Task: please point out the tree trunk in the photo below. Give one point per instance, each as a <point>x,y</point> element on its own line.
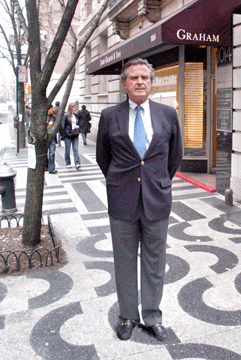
<point>35,179</point>
<point>34,200</point>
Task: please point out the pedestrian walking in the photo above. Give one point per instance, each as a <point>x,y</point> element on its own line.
<point>56,111</point>
<point>56,108</point>
<point>71,126</point>
<point>84,122</point>
<point>139,150</point>
<point>50,160</point>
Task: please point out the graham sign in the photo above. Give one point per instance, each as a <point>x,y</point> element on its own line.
<point>201,23</point>
<point>185,35</point>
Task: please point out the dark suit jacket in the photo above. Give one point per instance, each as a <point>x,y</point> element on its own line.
<point>124,170</point>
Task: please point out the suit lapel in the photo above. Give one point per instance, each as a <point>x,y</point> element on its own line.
<point>123,121</point>
<point>156,125</point>
<point>123,118</point>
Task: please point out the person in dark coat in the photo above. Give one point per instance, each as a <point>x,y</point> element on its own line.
<point>84,122</point>
<point>139,149</point>
<point>56,111</point>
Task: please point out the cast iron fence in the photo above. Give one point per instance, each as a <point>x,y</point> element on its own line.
<point>41,256</point>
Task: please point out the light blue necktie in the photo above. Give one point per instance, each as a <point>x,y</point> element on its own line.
<point>139,133</point>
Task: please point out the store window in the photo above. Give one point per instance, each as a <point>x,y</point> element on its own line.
<point>195,92</point>
<point>193,109</point>
<point>165,90</point>
<point>165,86</point>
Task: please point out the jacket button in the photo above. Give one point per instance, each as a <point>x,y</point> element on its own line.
<point>143,162</point>
<point>139,179</point>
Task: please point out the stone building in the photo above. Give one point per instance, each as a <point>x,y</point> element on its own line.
<point>195,48</point>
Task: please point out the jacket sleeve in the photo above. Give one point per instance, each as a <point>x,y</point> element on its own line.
<point>103,148</point>
<point>64,121</point>
<point>175,148</point>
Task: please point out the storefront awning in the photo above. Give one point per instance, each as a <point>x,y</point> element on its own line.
<point>205,22</point>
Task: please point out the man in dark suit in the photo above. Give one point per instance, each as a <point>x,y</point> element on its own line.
<point>139,150</point>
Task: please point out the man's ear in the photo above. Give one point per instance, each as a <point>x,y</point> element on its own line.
<point>124,87</point>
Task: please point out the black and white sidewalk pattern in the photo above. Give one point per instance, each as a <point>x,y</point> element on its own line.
<point>71,313</point>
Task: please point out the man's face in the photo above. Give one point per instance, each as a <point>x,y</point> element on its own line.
<point>138,83</point>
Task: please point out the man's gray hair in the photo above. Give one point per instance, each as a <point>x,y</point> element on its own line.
<point>137,61</point>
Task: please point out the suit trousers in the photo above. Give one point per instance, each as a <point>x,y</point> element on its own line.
<point>126,238</point>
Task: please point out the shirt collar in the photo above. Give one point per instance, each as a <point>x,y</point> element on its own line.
<point>145,105</point>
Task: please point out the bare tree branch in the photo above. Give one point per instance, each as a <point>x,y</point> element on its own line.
<point>34,41</point>
<point>21,18</point>
<point>5,6</point>
<point>70,81</point>
<point>57,43</point>
<point>18,30</point>
<point>71,31</point>
<point>17,33</point>
<point>9,50</point>
<point>4,56</point>
<point>82,43</point>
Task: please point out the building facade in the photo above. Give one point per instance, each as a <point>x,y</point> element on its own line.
<point>195,49</point>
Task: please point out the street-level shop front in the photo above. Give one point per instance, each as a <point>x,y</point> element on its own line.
<point>192,54</point>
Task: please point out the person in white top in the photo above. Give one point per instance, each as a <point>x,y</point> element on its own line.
<point>71,126</point>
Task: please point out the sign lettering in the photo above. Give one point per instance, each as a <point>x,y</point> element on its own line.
<point>184,35</point>
<point>21,73</point>
<point>224,55</point>
<point>109,58</point>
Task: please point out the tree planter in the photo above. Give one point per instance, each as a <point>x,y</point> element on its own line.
<point>45,254</point>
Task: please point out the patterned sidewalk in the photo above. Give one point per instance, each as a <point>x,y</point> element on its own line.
<point>71,313</point>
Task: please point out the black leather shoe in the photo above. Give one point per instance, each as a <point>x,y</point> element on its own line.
<point>157,331</point>
<point>125,328</point>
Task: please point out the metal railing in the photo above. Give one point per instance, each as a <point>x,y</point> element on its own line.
<point>41,255</point>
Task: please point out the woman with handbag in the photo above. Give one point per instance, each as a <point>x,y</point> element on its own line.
<point>71,127</point>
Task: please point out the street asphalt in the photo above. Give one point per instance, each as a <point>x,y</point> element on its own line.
<point>71,313</point>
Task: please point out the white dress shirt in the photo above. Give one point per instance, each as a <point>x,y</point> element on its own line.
<point>146,116</point>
